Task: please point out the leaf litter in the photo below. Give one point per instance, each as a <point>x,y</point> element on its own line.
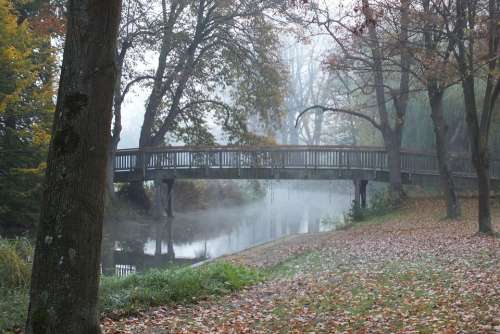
<point>414,273</point>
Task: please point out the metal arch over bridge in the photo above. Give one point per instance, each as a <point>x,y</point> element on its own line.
<point>283,162</point>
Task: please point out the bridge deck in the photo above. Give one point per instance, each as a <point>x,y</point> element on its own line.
<point>281,162</point>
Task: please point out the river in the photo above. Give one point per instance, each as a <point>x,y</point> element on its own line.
<point>289,207</point>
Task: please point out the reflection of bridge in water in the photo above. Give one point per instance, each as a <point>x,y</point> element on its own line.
<point>361,164</point>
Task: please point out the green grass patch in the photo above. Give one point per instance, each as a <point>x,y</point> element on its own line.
<point>141,291</point>
<point>163,287</point>
<point>13,308</point>
<point>374,219</point>
<point>306,261</point>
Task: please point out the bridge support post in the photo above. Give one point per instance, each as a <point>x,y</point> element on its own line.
<point>357,193</point>
<point>363,186</point>
<point>170,217</point>
<point>360,193</point>
<point>170,197</point>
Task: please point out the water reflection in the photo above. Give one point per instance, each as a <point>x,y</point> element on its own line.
<point>288,208</point>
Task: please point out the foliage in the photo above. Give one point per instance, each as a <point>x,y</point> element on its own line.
<point>203,194</point>
<point>15,263</point>
<point>13,308</point>
<point>163,287</point>
<point>258,87</point>
<point>15,272</point>
<point>380,204</point>
<point>27,67</point>
<point>141,291</point>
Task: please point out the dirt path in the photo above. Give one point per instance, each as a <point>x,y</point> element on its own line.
<point>412,274</point>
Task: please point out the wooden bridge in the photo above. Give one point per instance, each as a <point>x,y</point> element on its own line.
<point>282,162</point>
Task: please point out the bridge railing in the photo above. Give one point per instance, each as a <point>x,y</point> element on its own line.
<point>330,157</point>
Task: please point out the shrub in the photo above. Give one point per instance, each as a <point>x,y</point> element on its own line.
<point>15,272</point>
<point>380,204</point>
<point>15,263</point>
<point>13,308</point>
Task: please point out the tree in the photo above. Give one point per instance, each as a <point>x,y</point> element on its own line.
<point>65,278</point>
<point>207,49</point>
<point>475,31</point>
<point>199,41</point>
<point>432,53</point>
<point>136,33</point>
<point>27,67</point>
<point>374,47</point>
<point>308,86</point>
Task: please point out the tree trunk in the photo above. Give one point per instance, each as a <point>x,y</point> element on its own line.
<point>65,278</point>
<point>395,181</point>
<point>481,163</point>
<point>117,128</point>
<point>393,146</point>
<point>443,156</point>
<point>170,217</point>
<point>110,184</point>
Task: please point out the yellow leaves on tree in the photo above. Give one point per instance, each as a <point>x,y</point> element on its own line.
<point>15,53</point>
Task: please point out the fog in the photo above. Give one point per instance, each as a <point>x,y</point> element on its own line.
<point>287,208</point>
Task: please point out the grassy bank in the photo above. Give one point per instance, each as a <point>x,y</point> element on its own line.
<point>124,296</point>
<point>409,271</point>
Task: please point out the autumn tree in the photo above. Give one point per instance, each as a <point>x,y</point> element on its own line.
<point>435,72</point>
<point>27,67</point>
<point>474,28</point>
<point>137,33</point>
<point>309,85</point>
<point>200,41</point>
<point>65,278</point>
<point>209,52</point>
<point>372,43</point>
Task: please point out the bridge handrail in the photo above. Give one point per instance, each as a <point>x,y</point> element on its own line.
<point>289,156</point>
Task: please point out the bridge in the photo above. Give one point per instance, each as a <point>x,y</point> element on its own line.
<point>282,162</point>
<point>360,164</point>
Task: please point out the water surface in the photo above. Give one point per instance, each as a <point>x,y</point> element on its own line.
<point>289,207</point>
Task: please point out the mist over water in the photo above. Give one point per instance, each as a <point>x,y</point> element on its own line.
<point>289,207</point>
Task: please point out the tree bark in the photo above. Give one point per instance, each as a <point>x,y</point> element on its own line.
<point>395,179</point>
<point>483,178</point>
<point>392,134</point>
<point>443,156</point>
<point>436,86</point>
<point>170,217</point>
<point>478,124</point>
<point>117,127</point>
<point>65,278</point>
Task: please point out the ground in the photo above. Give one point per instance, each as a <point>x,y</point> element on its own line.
<point>407,272</point>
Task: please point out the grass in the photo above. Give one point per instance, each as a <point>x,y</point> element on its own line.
<point>163,287</point>
<point>13,308</point>
<point>386,290</point>
<point>141,291</point>
<point>15,272</point>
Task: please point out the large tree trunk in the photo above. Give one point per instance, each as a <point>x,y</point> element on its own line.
<point>65,279</point>
<point>443,156</point>
<point>117,128</point>
<point>395,179</point>
<point>110,185</point>
<point>484,198</point>
<point>392,143</point>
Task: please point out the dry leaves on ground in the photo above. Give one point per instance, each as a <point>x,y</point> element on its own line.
<point>412,274</point>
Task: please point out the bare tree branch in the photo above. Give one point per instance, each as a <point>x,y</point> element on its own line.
<point>339,110</point>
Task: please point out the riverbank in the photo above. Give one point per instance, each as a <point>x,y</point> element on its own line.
<point>406,272</point>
